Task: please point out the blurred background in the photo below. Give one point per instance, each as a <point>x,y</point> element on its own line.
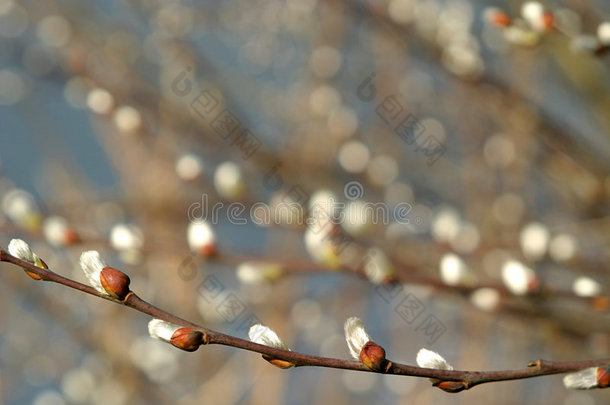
<point>445,165</point>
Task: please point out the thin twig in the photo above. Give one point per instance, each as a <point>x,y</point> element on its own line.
<point>468,378</point>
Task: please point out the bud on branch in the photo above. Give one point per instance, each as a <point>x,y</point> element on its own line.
<point>186,339</point>
<point>362,348</point>
<point>264,336</point>
<point>107,280</point>
<point>21,250</point>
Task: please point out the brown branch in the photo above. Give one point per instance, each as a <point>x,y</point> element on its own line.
<point>292,266</point>
<point>403,275</point>
<point>466,379</point>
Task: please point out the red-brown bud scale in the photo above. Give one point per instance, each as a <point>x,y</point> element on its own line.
<point>34,275</point>
<point>452,386</point>
<point>208,251</point>
<point>548,19</point>
<point>501,19</point>
<point>603,377</point>
<point>283,364</point>
<point>71,237</point>
<point>115,282</point>
<point>187,339</point>
<point>373,356</point>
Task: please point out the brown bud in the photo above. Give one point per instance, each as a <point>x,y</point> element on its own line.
<point>548,19</point>
<point>603,377</point>
<point>208,251</point>
<point>600,303</point>
<point>533,285</point>
<point>390,281</point>
<point>373,356</point>
<point>71,237</point>
<point>501,19</point>
<point>187,339</point>
<point>115,282</point>
<point>452,386</point>
<point>283,364</point>
<point>33,275</point>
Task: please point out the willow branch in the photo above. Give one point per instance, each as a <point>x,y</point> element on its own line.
<point>468,378</point>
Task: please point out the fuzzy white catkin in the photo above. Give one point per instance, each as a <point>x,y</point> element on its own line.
<point>533,12</point>
<point>445,225</point>
<point>534,240</point>
<point>126,237</point>
<point>321,247</point>
<point>467,238</point>
<point>127,119</point>
<point>603,33</point>
<point>92,265</point>
<point>199,235</point>
<point>162,330</point>
<point>264,336</point>
<point>378,268</point>
<point>486,299</point>
<point>453,269</point>
<point>581,380</point>
<point>258,272</point>
<point>229,182</point>
<point>354,157</point>
<point>55,229</point>
<point>21,250</point>
<point>517,277</point>
<point>562,247</point>
<point>54,30</point>
<point>20,207</point>
<point>100,101</point>
<point>189,167</point>
<point>355,335</point>
<point>521,36</point>
<point>358,218</point>
<point>324,206</point>
<point>586,287</point>
<point>429,359</point>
